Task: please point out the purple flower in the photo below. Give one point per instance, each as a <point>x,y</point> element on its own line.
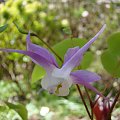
<point>58,80</point>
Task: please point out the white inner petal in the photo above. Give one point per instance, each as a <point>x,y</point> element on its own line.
<point>56,82</point>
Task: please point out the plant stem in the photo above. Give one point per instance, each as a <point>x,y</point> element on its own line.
<point>90,101</point>
<point>33,34</point>
<point>113,105</point>
<point>83,100</point>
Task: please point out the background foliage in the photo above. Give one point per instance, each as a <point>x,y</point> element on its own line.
<point>64,21</point>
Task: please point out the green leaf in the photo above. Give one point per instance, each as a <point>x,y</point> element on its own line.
<point>38,73</point>
<point>62,47</point>
<point>20,109</point>
<point>87,60</point>
<point>19,29</point>
<point>111,63</point>
<point>114,43</point>
<point>3,28</point>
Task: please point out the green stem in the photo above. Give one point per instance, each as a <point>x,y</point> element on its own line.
<point>33,34</point>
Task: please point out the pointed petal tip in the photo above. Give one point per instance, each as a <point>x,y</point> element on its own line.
<point>28,37</point>
<point>103,27</point>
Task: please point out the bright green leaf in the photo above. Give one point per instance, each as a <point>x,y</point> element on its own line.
<point>111,63</point>
<point>20,109</point>
<point>38,73</point>
<point>87,60</point>
<point>3,28</point>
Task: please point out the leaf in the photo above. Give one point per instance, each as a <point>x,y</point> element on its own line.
<point>3,28</point>
<point>38,73</point>
<point>87,60</point>
<point>111,63</point>
<point>20,109</point>
<point>60,49</point>
<point>114,43</point>
<point>19,29</point>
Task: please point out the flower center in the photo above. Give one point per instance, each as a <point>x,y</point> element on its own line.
<point>57,88</point>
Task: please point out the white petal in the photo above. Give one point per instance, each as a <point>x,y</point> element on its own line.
<point>64,90</point>
<point>48,82</point>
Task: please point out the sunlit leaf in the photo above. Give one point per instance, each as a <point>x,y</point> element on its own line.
<point>37,74</point>
<point>87,60</point>
<point>20,109</point>
<point>3,28</point>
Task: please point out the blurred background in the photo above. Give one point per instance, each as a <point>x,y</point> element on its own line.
<point>53,21</point>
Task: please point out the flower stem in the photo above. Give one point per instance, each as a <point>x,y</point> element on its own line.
<point>90,102</point>
<point>33,34</point>
<point>83,101</point>
<point>113,105</point>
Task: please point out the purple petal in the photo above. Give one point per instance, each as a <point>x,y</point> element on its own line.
<point>70,52</point>
<point>86,76</point>
<point>35,57</point>
<point>75,59</point>
<point>77,80</point>
<point>40,51</point>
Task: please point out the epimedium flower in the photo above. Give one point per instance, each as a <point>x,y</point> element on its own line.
<point>59,80</point>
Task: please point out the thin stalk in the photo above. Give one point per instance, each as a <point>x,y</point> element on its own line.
<point>113,105</point>
<point>33,34</point>
<point>90,101</point>
<point>83,100</point>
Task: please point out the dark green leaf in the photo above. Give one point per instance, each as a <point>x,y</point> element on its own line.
<point>3,28</point>
<point>111,63</point>
<point>114,43</point>
<point>62,47</point>
<point>20,109</point>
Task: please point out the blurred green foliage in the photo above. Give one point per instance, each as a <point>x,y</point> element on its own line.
<point>54,21</point>
<point>2,28</point>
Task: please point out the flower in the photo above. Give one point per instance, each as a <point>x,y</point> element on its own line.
<point>58,80</point>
